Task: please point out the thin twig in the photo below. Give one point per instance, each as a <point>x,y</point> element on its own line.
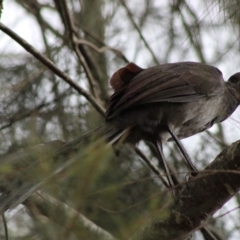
<point>20,115</point>
<point>5,226</point>
<point>196,43</point>
<point>115,50</point>
<point>102,49</point>
<point>73,36</point>
<point>46,201</point>
<point>1,7</point>
<point>50,65</point>
<point>139,32</point>
<point>150,164</point>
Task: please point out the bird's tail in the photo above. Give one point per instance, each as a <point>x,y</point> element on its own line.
<point>110,134</point>
<point>58,152</point>
<point>106,134</point>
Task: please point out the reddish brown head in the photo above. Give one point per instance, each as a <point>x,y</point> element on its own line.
<point>234,82</point>
<point>123,76</point>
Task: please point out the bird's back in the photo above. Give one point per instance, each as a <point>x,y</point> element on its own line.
<point>189,97</point>
<point>173,82</point>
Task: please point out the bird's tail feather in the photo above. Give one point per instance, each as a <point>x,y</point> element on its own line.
<point>21,189</point>
<point>113,137</point>
<point>109,133</point>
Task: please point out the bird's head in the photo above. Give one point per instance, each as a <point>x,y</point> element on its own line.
<point>234,82</point>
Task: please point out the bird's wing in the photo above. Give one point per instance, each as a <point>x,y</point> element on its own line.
<point>175,82</point>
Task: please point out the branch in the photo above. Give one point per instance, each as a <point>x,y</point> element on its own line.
<point>196,202</point>
<point>204,230</point>
<point>23,172</point>
<point>139,32</point>
<point>151,166</point>
<point>20,115</point>
<point>115,50</point>
<point>1,7</point>
<point>72,33</point>
<point>199,200</point>
<point>195,40</point>
<point>5,226</point>
<point>50,65</point>
<point>43,204</point>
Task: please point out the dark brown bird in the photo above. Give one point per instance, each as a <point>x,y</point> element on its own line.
<point>168,102</point>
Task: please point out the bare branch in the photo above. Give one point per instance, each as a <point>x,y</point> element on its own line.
<point>196,201</point>
<point>199,200</point>
<point>46,204</point>
<point>5,226</point>
<point>1,7</point>
<point>102,49</point>
<point>50,65</point>
<point>150,165</point>
<point>23,161</point>
<point>195,40</point>
<point>116,51</point>
<point>139,32</point>
<point>72,32</point>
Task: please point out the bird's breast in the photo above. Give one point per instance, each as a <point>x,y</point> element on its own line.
<point>192,118</point>
<point>150,120</point>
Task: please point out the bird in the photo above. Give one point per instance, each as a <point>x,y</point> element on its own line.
<point>168,102</point>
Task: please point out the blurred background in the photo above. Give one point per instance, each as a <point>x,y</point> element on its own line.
<point>89,40</point>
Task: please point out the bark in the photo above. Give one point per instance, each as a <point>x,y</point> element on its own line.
<point>199,199</point>
<point>193,206</point>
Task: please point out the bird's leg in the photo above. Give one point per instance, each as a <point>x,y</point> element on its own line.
<point>183,151</point>
<point>158,147</point>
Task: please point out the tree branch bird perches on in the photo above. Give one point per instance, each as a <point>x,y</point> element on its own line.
<point>168,102</point>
